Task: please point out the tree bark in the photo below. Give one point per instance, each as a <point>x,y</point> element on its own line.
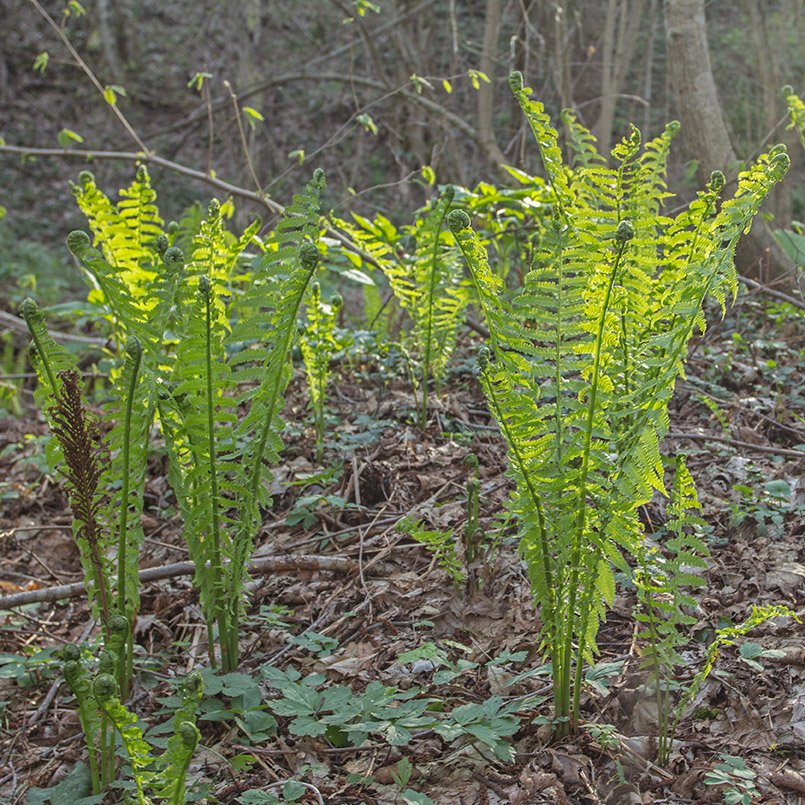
<point>705,132</point>
<point>486,91</point>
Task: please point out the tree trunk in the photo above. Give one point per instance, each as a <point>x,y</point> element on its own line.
<point>486,91</point>
<point>705,132</point>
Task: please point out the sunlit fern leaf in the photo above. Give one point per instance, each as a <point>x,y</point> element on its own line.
<point>127,315</point>
<point>581,141</point>
<point>440,294</point>
<point>127,231</point>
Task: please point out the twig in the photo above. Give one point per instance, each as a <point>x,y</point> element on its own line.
<point>265,84</point>
<point>783,297</point>
<point>85,67</point>
<point>18,326</point>
<point>243,142</point>
<point>759,448</point>
<point>265,564</point>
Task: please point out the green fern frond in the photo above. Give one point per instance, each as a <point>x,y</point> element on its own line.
<point>318,344</point>
<point>586,357</point>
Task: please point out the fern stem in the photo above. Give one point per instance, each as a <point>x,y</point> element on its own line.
<point>549,618</point>
<point>423,412</point>
<point>581,518</point>
<point>30,311</point>
<point>135,352</point>
<point>309,256</point>
<point>216,562</point>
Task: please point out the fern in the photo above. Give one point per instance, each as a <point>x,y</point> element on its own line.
<point>218,460</point>
<point>796,112</point>
<point>79,682</point>
<point>428,285</point>
<point>441,544</point>
<point>662,579</point>
<point>174,762</point>
<point>130,420</point>
<point>83,458</point>
<point>584,359</point>
<point>125,723</point>
<point>318,344</point>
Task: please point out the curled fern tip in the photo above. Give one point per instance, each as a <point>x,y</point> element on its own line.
<point>71,652</point>
<point>173,257</point>
<point>449,193</point>
<point>189,734</point>
<point>77,241</point>
<point>716,181</point>
<point>204,285</point>
<point>104,687</point>
<point>625,232</point>
<point>29,309</point>
<point>71,671</point>
<point>309,254</point>
<point>516,81</point>
<point>458,220</point>
<point>134,349</point>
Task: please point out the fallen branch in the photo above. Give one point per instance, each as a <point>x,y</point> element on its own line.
<point>773,292</point>
<point>16,324</point>
<point>759,448</point>
<point>263,564</point>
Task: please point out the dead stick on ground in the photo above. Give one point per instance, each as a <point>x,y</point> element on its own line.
<point>264,564</point>
<point>759,448</point>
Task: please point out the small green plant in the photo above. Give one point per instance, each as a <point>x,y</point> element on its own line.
<point>428,284</point>
<point>751,653</point>
<point>664,575</point>
<point>737,781</point>
<point>318,344</point>
<point>104,478</point>
<point>767,509</point>
<point>441,544</point>
<point>100,708</point>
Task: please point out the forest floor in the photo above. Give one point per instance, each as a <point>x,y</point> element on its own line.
<point>356,593</point>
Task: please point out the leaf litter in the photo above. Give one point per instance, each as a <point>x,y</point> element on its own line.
<point>396,619</point>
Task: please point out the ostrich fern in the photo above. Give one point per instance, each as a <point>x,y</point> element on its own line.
<point>582,363</point>
<point>209,358</point>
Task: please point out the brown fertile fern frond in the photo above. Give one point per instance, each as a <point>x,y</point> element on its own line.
<point>82,448</point>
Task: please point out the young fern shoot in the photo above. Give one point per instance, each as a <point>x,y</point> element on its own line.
<point>429,285</point>
<point>318,344</point>
<point>663,583</point>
